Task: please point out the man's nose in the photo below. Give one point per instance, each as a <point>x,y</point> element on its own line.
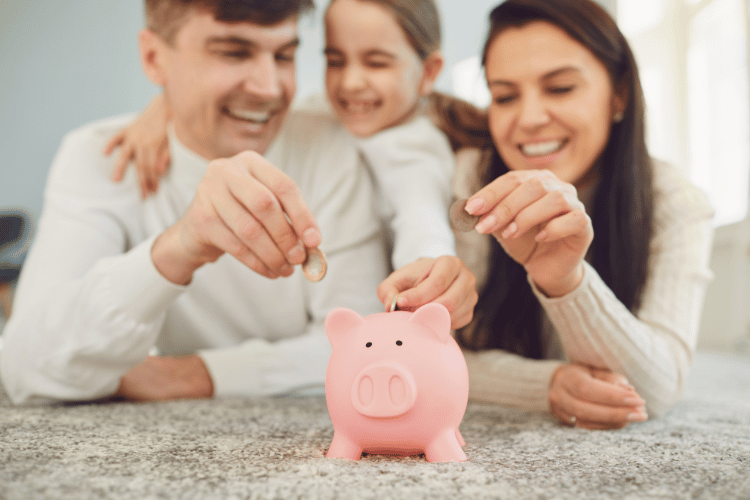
<point>533,112</point>
<point>263,80</point>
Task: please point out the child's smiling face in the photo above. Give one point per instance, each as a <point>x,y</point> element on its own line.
<point>374,77</point>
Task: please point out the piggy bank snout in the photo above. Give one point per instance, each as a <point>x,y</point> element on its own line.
<point>383,390</point>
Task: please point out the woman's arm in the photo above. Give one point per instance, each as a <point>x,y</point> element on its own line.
<point>653,348</point>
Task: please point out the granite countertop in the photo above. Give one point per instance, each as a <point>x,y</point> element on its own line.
<point>235,448</point>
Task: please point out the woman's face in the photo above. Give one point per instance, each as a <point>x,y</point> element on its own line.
<point>552,102</point>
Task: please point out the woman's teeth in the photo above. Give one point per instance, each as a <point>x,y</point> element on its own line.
<point>250,116</point>
<point>541,148</point>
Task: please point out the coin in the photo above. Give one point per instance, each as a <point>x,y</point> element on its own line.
<point>393,303</point>
<point>314,267</point>
<point>461,220</point>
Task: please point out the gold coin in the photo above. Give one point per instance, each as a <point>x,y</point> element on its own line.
<point>314,267</point>
<point>461,220</point>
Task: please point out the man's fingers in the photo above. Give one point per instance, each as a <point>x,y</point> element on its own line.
<point>288,195</point>
<point>251,234</point>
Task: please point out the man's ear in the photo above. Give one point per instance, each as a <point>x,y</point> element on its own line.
<point>153,51</point>
<point>432,66</point>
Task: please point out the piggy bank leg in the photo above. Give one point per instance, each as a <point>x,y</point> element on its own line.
<point>343,447</point>
<point>445,448</point>
<point>460,439</point>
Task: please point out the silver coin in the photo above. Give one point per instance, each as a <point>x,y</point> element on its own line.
<point>315,266</point>
<point>461,220</point>
<point>393,303</point>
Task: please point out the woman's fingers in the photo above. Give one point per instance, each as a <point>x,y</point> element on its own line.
<point>536,199</point>
<point>595,403</point>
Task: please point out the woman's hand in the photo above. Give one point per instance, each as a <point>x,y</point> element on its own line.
<point>591,398</point>
<point>540,222</point>
<point>145,142</point>
<point>445,280</point>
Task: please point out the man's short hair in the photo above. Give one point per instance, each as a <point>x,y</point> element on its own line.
<point>166,17</point>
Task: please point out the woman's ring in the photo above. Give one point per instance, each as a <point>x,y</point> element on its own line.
<point>573,421</point>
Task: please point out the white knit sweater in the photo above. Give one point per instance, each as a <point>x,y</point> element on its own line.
<point>653,348</point>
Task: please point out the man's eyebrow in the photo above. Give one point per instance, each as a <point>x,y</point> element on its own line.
<point>236,40</point>
<point>546,76</point>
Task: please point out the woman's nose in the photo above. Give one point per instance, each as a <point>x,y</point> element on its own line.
<point>533,112</point>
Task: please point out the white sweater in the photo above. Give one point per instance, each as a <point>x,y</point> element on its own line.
<point>90,304</point>
<point>652,349</point>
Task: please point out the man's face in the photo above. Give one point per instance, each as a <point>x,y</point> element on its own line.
<point>229,85</point>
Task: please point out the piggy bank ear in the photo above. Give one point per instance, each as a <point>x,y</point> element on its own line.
<point>340,322</point>
<point>436,318</point>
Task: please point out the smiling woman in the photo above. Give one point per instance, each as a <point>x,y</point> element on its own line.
<point>598,262</point>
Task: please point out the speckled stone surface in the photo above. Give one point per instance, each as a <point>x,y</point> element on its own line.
<point>273,448</point>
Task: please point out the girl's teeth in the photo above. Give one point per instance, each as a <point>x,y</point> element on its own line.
<point>541,148</point>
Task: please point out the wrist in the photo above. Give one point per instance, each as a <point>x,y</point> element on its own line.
<point>172,260</point>
<point>561,286</point>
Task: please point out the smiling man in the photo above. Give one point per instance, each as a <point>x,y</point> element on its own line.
<point>191,271</point>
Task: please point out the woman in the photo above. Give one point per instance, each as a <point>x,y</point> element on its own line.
<point>602,264</point>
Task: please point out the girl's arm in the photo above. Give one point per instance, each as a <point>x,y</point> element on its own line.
<point>145,143</point>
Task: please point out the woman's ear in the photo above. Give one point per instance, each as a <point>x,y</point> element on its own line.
<point>619,102</point>
<point>152,50</point>
<point>433,63</point>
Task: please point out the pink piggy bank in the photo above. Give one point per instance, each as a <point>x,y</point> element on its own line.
<point>396,384</point>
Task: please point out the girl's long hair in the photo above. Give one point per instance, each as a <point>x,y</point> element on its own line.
<point>508,315</point>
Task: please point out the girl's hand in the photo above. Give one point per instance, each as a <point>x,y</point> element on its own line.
<point>445,280</point>
<point>598,399</point>
<point>540,222</point>
<point>145,142</point>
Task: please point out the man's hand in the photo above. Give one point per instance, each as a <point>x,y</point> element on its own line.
<point>246,207</point>
<point>445,280</point>
<point>165,377</point>
<point>594,399</point>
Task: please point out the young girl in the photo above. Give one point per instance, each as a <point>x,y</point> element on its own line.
<point>383,57</point>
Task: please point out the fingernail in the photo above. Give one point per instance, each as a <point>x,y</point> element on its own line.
<point>311,237</point>
<point>297,254</point>
<point>510,230</point>
<point>402,302</point>
<point>486,224</point>
<point>475,205</point>
<point>541,236</point>
<point>286,270</point>
<point>632,401</point>
<point>640,416</point>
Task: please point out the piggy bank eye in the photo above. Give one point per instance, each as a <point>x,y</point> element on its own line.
<point>398,342</point>
<point>369,344</point>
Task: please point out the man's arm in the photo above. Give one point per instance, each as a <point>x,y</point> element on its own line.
<point>88,306</point>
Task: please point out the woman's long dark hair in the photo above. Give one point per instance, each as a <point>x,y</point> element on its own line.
<point>508,315</point>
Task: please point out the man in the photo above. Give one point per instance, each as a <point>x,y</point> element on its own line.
<point>192,270</point>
